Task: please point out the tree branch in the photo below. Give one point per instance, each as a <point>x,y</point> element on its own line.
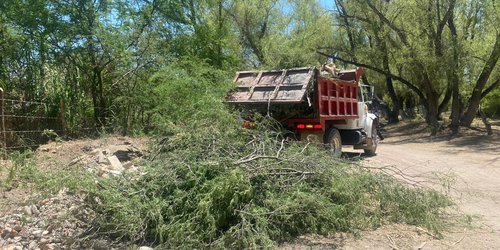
<point>391,25</point>
<point>494,85</point>
<point>381,71</point>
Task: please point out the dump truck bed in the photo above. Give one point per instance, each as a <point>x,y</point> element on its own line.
<point>299,94</point>
<point>276,86</point>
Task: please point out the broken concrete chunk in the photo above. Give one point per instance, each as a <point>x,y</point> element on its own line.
<point>95,151</point>
<point>100,157</point>
<point>115,163</point>
<point>76,160</point>
<point>114,172</point>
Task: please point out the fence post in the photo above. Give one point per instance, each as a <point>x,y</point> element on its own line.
<point>4,136</point>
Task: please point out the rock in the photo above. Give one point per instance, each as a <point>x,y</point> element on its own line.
<point>95,151</point>
<point>114,172</point>
<point>37,232</point>
<point>12,247</point>
<point>41,224</point>
<point>18,228</point>
<point>33,245</point>
<point>100,157</point>
<point>27,210</point>
<point>45,232</point>
<point>104,168</point>
<point>115,163</point>
<point>34,210</point>
<point>47,247</point>
<point>92,165</point>
<point>8,233</point>
<point>44,202</point>
<point>145,248</point>
<point>4,233</point>
<point>76,160</point>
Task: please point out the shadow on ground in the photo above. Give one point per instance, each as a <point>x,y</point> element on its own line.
<point>474,138</point>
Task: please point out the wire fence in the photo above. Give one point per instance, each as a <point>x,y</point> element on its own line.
<point>27,123</point>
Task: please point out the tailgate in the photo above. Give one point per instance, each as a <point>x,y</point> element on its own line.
<point>276,86</point>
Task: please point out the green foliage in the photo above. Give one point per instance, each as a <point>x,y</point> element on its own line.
<point>183,90</point>
<point>306,28</point>
<point>491,103</point>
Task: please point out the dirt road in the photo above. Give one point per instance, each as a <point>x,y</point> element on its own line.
<point>471,161</point>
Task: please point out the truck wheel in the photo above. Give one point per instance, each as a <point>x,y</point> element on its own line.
<point>374,142</point>
<point>333,142</point>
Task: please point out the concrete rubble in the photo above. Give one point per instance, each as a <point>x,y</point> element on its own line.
<point>63,221</point>
<point>113,160</point>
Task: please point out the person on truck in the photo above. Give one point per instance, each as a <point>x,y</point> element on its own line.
<point>331,68</point>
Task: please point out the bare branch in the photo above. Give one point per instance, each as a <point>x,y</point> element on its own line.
<point>399,31</point>
<point>253,158</point>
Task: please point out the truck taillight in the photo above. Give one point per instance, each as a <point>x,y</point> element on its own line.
<point>309,126</point>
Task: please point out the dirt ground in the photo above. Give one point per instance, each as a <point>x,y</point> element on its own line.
<point>466,166</point>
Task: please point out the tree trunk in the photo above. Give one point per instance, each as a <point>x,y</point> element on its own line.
<point>454,79</point>
<point>393,114</point>
<point>476,96</point>
<point>432,118</point>
<point>487,124</point>
<point>95,103</point>
<point>410,106</point>
<point>102,100</point>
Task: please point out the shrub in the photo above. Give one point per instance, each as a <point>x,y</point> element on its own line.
<point>491,103</point>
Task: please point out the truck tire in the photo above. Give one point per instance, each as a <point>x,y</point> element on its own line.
<point>333,142</point>
<point>374,142</point>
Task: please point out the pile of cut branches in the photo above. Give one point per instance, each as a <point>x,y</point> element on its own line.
<point>246,188</point>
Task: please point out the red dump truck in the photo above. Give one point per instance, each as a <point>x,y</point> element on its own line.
<point>312,104</point>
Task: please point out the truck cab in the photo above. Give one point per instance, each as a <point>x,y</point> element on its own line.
<point>312,104</point>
